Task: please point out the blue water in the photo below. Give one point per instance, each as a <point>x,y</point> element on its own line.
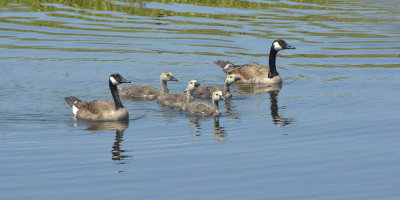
<point>330,131</point>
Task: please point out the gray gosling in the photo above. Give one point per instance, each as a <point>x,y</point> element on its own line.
<point>148,92</point>
<point>101,110</point>
<point>255,73</point>
<point>206,91</point>
<point>205,109</point>
<point>177,100</point>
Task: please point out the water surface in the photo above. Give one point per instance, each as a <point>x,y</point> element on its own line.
<point>329,132</point>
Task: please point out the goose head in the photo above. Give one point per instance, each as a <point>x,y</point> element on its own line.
<point>281,44</point>
<point>117,79</point>
<point>217,96</point>
<point>231,78</point>
<point>167,76</point>
<point>192,85</point>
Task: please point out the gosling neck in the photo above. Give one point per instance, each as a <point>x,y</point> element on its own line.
<point>226,87</point>
<point>272,66</point>
<point>164,87</point>
<point>115,95</point>
<point>216,106</point>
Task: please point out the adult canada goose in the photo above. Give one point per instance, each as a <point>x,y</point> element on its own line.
<point>101,110</point>
<point>148,92</point>
<point>177,100</point>
<point>206,91</point>
<point>255,72</point>
<point>203,108</point>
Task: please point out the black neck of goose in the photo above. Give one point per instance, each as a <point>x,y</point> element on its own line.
<point>115,95</point>
<point>272,66</point>
<point>164,87</point>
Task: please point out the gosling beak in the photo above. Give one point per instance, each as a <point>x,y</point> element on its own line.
<point>237,78</point>
<point>223,98</point>
<point>196,84</point>
<point>172,78</point>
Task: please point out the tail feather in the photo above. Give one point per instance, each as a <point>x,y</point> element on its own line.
<point>71,100</point>
<point>226,66</point>
<point>223,64</point>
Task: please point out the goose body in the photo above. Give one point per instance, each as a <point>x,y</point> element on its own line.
<point>101,110</point>
<point>206,91</point>
<point>146,91</point>
<point>255,73</point>
<point>203,108</point>
<point>178,100</point>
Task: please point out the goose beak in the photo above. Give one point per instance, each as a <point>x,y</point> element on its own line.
<point>125,81</point>
<point>288,46</point>
<point>173,78</point>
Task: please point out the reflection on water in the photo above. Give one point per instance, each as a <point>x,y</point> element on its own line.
<point>118,154</point>
<point>257,88</point>
<point>58,46</point>
<point>102,126</point>
<point>276,118</point>
<point>273,91</point>
<point>219,131</point>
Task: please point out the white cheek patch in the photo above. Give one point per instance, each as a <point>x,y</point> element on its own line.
<point>74,110</point>
<point>277,46</point>
<point>113,81</point>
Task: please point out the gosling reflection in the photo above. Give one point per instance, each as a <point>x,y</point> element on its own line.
<point>117,153</point>
<point>219,132</point>
<point>229,108</point>
<point>276,118</point>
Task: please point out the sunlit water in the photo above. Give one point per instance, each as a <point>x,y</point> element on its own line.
<point>330,132</point>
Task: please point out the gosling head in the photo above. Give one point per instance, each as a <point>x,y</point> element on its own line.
<point>117,79</point>
<point>217,96</point>
<point>231,78</point>
<point>167,76</point>
<point>281,44</point>
<point>192,85</point>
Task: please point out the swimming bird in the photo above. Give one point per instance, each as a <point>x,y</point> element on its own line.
<point>148,92</point>
<point>203,108</point>
<point>206,91</point>
<point>177,100</point>
<point>101,110</point>
<point>255,72</point>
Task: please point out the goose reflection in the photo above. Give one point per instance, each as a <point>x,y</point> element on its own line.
<point>273,91</point>
<point>117,153</point>
<point>276,118</point>
<point>257,88</point>
<point>219,132</point>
